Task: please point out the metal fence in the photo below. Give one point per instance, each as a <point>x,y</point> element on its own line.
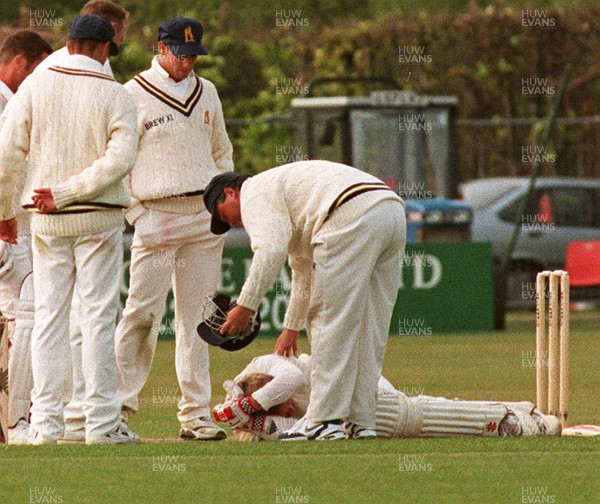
<point>507,147</point>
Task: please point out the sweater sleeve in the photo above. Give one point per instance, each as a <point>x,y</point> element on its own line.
<point>222,150</point>
<point>14,148</point>
<point>297,309</point>
<point>287,379</point>
<point>268,224</point>
<point>116,163</point>
<point>136,208</point>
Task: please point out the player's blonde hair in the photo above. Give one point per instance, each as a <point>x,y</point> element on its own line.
<point>112,12</point>
<point>254,382</point>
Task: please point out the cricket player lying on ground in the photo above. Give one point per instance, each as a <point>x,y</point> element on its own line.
<point>272,393</point>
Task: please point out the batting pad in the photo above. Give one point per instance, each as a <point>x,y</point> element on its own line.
<point>449,418</point>
<point>423,416</point>
<point>20,377</point>
<point>524,406</point>
<point>396,415</point>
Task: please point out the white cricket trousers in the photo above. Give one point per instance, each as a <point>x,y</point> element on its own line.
<point>95,262</point>
<point>73,413</point>
<point>356,278</point>
<point>178,251</point>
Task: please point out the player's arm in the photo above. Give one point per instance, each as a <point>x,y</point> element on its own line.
<point>269,227</point>
<point>14,148</point>
<point>299,302</point>
<point>114,165</point>
<point>295,315</point>
<point>136,208</point>
<point>221,147</point>
<point>287,380</point>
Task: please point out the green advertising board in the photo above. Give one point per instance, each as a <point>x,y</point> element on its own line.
<point>446,287</point>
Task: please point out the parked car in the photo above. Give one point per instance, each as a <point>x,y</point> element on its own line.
<point>561,210</point>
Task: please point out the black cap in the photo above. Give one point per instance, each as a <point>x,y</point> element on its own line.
<point>183,36</point>
<point>212,193</point>
<point>93,27</point>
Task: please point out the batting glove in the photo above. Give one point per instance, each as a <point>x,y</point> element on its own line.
<point>234,413</point>
<point>261,425</point>
<point>234,391</point>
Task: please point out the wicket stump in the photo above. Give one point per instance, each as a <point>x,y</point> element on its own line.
<point>552,349</point>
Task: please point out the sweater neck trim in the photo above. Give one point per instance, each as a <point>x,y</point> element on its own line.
<point>78,72</point>
<point>186,108</point>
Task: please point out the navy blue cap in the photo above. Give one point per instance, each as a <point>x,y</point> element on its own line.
<point>212,193</point>
<point>183,36</point>
<point>209,329</point>
<point>93,27</point>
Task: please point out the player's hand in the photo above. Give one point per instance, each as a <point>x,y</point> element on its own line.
<point>287,343</point>
<point>44,200</point>
<point>238,319</point>
<point>230,414</point>
<point>261,425</point>
<point>236,412</point>
<point>234,391</point>
<point>8,231</point>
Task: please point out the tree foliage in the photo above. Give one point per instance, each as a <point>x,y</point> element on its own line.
<point>482,54</point>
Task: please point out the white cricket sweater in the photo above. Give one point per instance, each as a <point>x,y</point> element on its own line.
<point>291,380</point>
<point>182,141</point>
<point>57,58</point>
<point>61,56</point>
<point>22,217</point>
<point>282,210</point>
<point>78,127</point>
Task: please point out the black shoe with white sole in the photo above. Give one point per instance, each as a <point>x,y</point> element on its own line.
<point>320,431</point>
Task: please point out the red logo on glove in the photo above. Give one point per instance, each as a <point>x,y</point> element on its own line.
<point>492,426</point>
<point>222,415</point>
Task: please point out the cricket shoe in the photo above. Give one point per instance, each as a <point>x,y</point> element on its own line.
<point>355,431</point>
<point>73,436</point>
<point>319,431</point>
<point>18,435</point>
<point>201,429</point>
<point>548,425</point>
<point>124,428</point>
<point>117,436</point>
<point>38,438</point>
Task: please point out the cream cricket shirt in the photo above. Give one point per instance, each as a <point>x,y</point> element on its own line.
<point>282,210</point>
<point>182,141</point>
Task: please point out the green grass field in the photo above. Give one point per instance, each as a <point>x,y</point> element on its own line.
<point>471,470</point>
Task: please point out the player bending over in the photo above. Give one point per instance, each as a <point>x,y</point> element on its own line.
<point>269,396</point>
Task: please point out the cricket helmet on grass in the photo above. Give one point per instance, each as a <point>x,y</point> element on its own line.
<point>214,314</point>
